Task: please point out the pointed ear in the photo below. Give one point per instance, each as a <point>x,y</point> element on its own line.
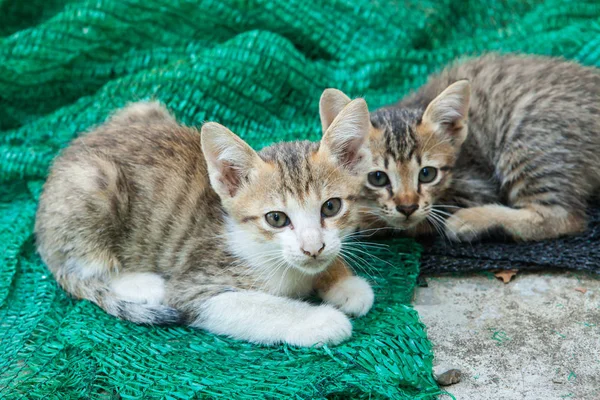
<point>345,139</point>
<point>228,158</point>
<point>449,112</point>
<point>331,104</point>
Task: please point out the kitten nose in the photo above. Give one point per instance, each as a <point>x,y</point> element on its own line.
<point>313,252</point>
<point>407,209</point>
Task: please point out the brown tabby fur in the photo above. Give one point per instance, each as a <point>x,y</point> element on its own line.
<point>527,167</point>
<point>134,197</point>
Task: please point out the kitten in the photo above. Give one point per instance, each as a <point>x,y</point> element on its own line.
<point>157,223</point>
<point>500,142</point>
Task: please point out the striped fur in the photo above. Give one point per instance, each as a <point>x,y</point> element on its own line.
<point>158,224</point>
<point>528,166</point>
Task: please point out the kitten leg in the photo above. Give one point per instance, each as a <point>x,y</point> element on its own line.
<point>533,222</point>
<point>266,319</point>
<point>339,287</point>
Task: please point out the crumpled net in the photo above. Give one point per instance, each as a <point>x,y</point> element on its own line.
<point>258,67</point>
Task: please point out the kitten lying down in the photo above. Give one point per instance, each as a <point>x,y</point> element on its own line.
<point>158,224</point>
<point>499,142</point>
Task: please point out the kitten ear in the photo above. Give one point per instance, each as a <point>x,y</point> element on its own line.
<point>449,112</point>
<point>345,138</point>
<point>331,104</point>
<point>228,158</point>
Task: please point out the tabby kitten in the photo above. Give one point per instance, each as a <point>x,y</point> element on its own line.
<point>500,142</point>
<point>157,224</point>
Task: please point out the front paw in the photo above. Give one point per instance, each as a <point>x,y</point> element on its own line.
<point>324,325</point>
<point>353,295</point>
<point>465,226</point>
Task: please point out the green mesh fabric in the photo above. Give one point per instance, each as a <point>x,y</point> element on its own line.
<point>259,67</point>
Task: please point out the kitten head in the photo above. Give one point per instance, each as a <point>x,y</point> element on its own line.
<point>413,153</point>
<point>291,204</point>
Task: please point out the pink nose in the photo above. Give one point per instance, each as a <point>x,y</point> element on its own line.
<point>313,252</point>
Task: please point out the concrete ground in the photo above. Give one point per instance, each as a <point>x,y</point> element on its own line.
<point>537,337</point>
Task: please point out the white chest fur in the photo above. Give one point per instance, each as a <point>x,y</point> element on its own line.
<point>289,282</point>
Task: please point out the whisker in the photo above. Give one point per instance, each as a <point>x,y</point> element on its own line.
<point>356,240</point>
<point>373,256</point>
<point>440,212</point>
<point>437,224</point>
<point>361,263</point>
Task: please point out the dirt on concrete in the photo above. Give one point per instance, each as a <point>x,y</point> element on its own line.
<point>536,337</point>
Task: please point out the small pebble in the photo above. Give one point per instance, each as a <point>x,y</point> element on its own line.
<point>449,377</point>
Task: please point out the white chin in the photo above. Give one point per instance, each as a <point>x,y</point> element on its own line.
<point>313,268</point>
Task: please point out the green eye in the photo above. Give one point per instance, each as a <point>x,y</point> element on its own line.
<point>331,207</point>
<point>427,175</point>
<point>277,219</point>
<point>378,178</point>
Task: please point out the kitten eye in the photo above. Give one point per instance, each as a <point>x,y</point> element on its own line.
<point>427,174</point>
<point>277,219</point>
<point>331,207</point>
<point>378,178</point>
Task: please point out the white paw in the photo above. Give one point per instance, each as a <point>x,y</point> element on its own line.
<point>142,287</point>
<point>323,325</point>
<point>352,295</point>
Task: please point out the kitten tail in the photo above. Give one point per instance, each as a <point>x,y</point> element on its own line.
<point>112,297</point>
<point>145,314</point>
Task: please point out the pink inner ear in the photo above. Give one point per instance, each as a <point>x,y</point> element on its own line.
<point>346,155</point>
<point>350,156</point>
<point>454,127</point>
<point>230,178</point>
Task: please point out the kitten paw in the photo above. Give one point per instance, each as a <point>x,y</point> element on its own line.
<point>465,226</point>
<point>352,295</point>
<point>324,325</point>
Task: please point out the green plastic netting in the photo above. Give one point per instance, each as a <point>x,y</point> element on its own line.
<point>259,67</point>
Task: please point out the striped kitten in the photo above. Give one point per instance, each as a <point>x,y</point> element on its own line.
<point>500,142</point>
<point>157,223</point>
